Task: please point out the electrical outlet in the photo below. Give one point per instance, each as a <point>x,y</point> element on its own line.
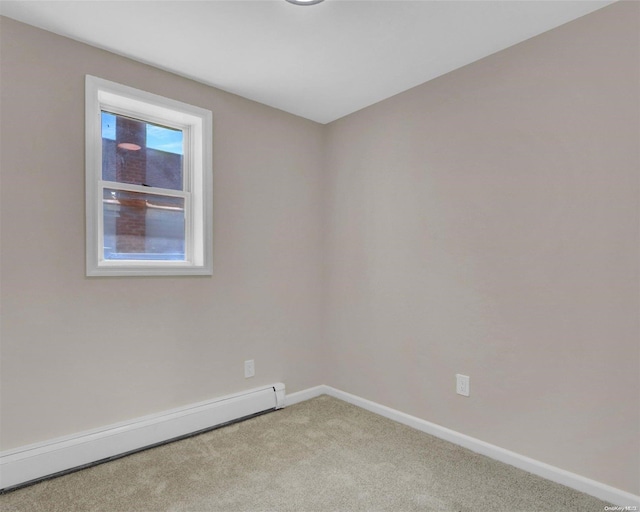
<point>249,369</point>
<point>462,384</point>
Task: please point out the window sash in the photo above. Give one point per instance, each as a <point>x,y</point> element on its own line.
<point>156,261</point>
<point>188,147</point>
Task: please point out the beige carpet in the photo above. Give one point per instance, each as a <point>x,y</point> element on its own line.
<point>320,455</point>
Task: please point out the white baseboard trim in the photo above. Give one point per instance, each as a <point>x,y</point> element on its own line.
<point>306,394</point>
<point>599,490</point>
<point>36,461</point>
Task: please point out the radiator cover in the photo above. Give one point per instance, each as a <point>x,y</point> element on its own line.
<point>38,461</point>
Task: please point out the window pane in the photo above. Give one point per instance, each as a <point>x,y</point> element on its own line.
<point>141,153</point>
<point>141,226</point>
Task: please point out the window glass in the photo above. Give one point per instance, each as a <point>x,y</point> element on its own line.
<point>140,226</point>
<point>141,153</point>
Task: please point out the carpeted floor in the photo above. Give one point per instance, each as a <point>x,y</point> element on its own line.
<point>320,455</point>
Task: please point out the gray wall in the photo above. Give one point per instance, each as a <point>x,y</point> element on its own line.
<point>484,223</point>
<point>81,352</point>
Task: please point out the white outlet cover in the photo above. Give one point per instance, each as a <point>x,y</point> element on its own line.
<point>249,369</point>
<point>462,384</point>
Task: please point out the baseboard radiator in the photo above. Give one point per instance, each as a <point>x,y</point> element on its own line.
<point>29,464</point>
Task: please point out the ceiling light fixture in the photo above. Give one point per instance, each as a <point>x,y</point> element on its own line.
<point>304,2</point>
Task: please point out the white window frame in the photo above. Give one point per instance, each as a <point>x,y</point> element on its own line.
<point>196,125</point>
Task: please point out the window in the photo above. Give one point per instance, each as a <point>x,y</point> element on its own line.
<point>148,183</point>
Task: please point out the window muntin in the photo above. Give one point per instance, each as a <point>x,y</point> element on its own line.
<point>148,183</point>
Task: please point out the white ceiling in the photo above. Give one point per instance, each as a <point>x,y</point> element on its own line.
<point>320,62</point>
